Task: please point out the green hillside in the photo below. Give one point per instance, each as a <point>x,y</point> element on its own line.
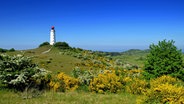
<point>53,60</point>
<point>132,56</point>
<point>56,61</point>
<point>89,77</point>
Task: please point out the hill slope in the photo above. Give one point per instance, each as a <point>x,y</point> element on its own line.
<point>132,56</point>
<point>55,60</point>
<point>52,60</point>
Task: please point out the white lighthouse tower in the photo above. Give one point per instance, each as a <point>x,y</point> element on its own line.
<point>52,36</point>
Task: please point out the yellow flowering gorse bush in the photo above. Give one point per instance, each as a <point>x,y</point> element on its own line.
<point>164,94</point>
<point>64,82</point>
<point>137,86</point>
<point>106,82</point>
<point>163,80</point>
<point>164,89</point>
<point>131,73</point>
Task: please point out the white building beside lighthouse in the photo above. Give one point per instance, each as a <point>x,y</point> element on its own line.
<point>52,36</point>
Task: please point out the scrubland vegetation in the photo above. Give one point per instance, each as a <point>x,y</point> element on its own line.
<point>73,75</point>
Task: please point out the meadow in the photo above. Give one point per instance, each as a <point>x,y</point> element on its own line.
<point>82,76</point>
<point>51,97</point>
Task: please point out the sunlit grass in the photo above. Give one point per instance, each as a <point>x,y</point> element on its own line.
<point>50,97</point>
<point>52,61</point>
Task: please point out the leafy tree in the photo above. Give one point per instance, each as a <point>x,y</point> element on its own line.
<point>62,45</point>
<point>44,44</point>
<point>3,50</point>
<point>164,59</point>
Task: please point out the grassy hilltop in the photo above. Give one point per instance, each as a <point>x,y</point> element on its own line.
<point>52,60</point>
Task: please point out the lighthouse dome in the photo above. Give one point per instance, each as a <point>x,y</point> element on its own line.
<point>52,27</point>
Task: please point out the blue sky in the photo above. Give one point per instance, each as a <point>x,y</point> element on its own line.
<point>105,25</point>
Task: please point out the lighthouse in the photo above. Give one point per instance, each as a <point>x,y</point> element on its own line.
<point>52,36</point>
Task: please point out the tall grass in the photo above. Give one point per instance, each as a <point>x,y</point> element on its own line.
<point>8,97</point>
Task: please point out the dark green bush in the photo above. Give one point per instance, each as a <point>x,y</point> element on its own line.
<point>6,50</point>
<point>12,50</point>
<point>62,45</point>
<point>44,44</point>
<point>164,59</point>
<point>3,50</point>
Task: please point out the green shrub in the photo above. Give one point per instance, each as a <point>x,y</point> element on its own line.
<point>62,45</point>
<point>84,76</point>
<point>44,44</point>
<point>11,50</point>
<point>164,59</point>
<point>18,72</point>
<point>3,50</point>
